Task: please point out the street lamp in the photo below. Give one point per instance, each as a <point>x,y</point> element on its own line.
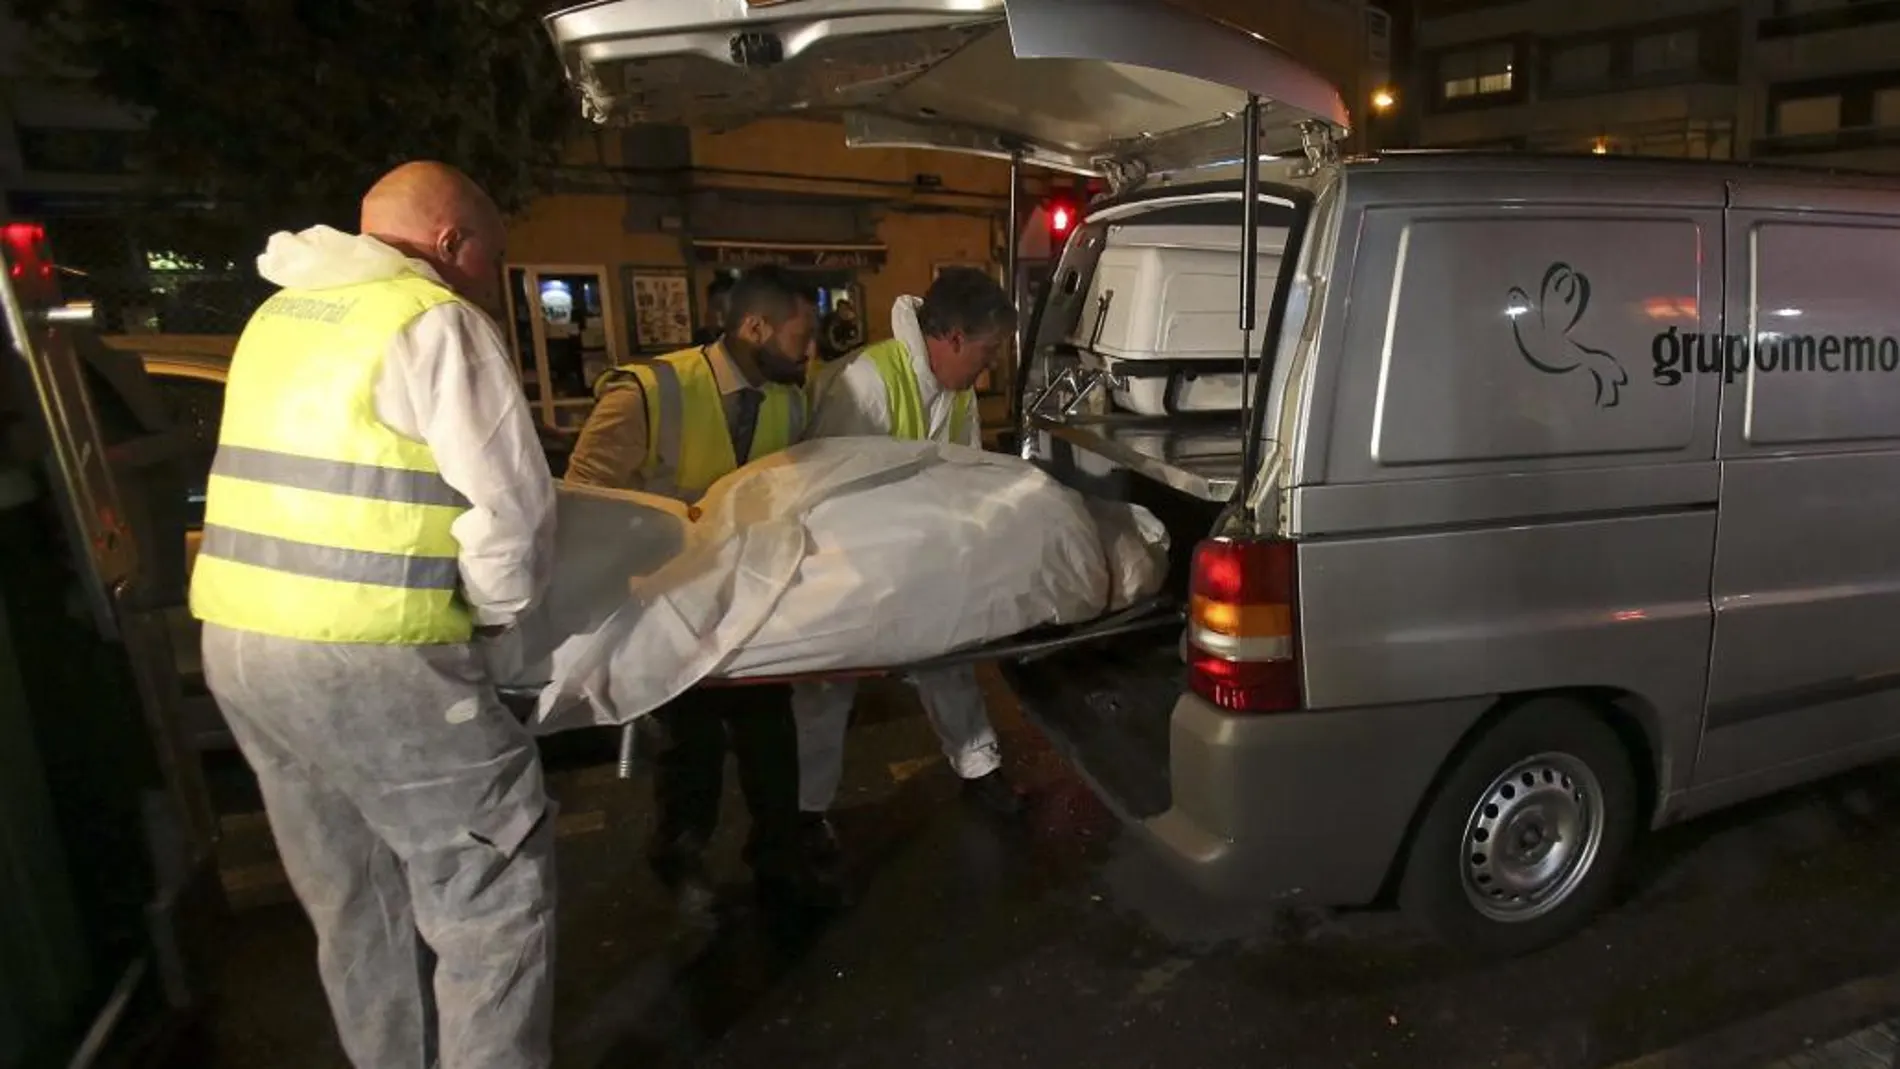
<point>1383,99</point>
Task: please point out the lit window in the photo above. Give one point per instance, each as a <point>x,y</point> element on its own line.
<point>1478,72</point>
<point>1808,115</point>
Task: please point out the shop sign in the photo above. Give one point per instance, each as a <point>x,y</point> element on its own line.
<point>811,257</point>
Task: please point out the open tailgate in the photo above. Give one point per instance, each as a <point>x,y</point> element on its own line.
<point>1099,88</point>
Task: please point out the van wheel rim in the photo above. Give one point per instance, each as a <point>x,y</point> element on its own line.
<point>1532,837</point>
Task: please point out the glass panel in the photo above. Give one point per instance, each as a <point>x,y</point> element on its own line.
<point>1887,107</point>
<point>1663,52</point>
<point>1478,71</point>
<point>1808,115</point>
<point>1586,64</point>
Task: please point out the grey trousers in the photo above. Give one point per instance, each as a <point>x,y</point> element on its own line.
<point>413,823</point>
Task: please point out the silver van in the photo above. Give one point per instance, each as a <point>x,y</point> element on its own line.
<point>1545,501</point>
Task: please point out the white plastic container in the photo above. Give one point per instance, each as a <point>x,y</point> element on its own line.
<point>1165,299</point>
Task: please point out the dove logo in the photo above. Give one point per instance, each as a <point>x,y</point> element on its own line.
<point>1542,329</point>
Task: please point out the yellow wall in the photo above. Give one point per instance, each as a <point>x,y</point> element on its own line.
<point>589,230</point>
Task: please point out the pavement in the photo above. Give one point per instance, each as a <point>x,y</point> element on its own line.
<point>1752,939</point>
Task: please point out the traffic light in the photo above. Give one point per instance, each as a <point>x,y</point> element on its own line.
<point>29,267</point>
<point>1062,216</point>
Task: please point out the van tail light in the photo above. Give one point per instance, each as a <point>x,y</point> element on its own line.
<point>1242,640</point>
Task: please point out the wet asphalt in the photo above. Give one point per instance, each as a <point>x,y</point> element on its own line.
<point>1054,941</point>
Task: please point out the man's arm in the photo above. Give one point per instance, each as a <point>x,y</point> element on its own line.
<point>613,442</point>
<point>450,383</point>
<point>851,403</point>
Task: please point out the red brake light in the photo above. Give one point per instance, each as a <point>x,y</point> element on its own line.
<point>1243,649</point>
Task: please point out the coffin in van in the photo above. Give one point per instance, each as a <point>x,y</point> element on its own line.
<point>1163,315</point>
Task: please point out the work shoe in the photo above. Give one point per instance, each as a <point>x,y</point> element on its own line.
<point>820,838</point>
<point>994,792</point>
<point>682,871</point>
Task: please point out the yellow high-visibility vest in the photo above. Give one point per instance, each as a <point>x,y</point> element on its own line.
<point>909,420</point>
<point>321,523</point>
<point>689,446</point>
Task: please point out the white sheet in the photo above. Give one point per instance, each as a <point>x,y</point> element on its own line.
<point>836,554</point>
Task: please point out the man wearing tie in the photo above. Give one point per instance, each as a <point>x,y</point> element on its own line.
<point>673,426</point>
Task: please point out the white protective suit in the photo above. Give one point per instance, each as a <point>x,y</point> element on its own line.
<point>855,403</point>
<point>407,803</point>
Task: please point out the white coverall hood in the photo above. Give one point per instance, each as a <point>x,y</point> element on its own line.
<point>323,257</point>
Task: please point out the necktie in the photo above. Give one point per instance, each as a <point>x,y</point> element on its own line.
<point>745,420</point>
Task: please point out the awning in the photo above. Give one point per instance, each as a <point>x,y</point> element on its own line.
<point>790,254</point>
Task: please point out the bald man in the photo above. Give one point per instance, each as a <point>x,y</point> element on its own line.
<point>379,506</point>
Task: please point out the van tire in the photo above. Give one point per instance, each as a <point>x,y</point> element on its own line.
<point>1562,751</point>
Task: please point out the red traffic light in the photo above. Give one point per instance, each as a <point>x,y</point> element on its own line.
<point>28,265</point>
<point>1062,217</point>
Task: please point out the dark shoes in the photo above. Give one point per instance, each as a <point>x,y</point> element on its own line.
<point>681,867</point>
<point>994,792</point>
<point>820,839</point>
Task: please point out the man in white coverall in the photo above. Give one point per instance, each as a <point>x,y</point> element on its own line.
<point>379,501</point>
<point>918,385</point>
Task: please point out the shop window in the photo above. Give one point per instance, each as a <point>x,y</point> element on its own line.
<point>1665,53</point>
<point>1808,115</point>
<point>1580,65</point>
<point>1489,70</point>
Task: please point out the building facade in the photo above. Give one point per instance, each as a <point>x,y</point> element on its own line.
<point>1800,81</point>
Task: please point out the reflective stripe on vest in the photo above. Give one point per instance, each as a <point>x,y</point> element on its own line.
<point>689,445</point>
<point>321,523</point>
<point>909,420</point>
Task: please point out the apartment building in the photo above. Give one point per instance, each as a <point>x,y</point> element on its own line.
<point>1828,77</point>
<point>1648,77</point>
<point>1813,82</point>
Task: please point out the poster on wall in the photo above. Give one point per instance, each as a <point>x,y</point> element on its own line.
<point>660,304</point>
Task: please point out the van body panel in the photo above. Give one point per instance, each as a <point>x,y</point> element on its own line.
<point>1805,673</point>
<point>1618,603</point>
<point>1300,807</point>
<point>1420,373</point>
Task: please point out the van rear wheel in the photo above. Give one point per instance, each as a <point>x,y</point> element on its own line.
<point>1524,841</point>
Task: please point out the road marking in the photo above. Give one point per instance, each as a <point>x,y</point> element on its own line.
<point>903,770</point>
<point>570,824</point>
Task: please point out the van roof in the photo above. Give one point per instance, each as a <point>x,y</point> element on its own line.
<point>1444,162</point>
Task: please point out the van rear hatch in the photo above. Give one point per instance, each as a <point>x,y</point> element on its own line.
<point>1107,87</point>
